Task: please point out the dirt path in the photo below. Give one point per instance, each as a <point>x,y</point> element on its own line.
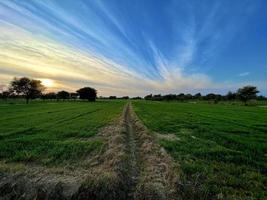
<point>133,152</point>
<point>150,169</point>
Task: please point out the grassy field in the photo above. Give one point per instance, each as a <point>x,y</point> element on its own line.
<point>53,132</point>
<point>221,149</point>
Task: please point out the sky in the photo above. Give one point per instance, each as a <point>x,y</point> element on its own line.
<point>135,47</point>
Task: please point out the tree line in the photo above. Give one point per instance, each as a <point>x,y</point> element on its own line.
<point>244,94</point>
<point>31,89</point>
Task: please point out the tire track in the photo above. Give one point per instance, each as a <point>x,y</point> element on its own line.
<point>150,171</point>
<point>133,153</point>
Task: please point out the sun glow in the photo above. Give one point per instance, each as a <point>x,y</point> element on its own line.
<point>48,82</point>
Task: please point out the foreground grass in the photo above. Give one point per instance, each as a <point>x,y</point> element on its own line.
<point>53,132</point>
<point>222,149</point>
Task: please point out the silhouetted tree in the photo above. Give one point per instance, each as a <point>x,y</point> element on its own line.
<point>50,95</point>
<point>74,95</point>
<point>5,94</point>
<point>136,98</point>
<point>246,93</point>
<point>63,95</point>
<point>125,97</point>
<point>157,97</point>
<point>188,96</point>
<point>230,96</point>
<point>197,96</point>
<point>87,93</point>
<point>169,97</point>
<point>112,97</point>
<point>217,98</point>
<point>148,97</point>
<point>180,97</point>
<point>210,96</point>
<point>261,98</point>
<point>29,88</point>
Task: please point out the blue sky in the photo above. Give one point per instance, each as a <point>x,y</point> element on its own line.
<point>135,47</point>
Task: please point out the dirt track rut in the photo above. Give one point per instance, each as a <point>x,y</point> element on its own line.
<point>133,152</point>
<point>150,171</point>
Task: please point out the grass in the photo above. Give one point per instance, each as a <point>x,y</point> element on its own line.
<point>221,149</point>
<point>53,133</point>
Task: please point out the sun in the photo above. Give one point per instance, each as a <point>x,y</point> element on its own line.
<point>48,82</point>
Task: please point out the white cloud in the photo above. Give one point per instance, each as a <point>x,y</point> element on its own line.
<point>244,74</point>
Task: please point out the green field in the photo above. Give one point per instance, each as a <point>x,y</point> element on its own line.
<point>221,149</point>
<point>53,132</point>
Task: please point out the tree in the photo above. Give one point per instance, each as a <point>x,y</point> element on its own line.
<point>137,97</point>
<point>157,97</point>
<point>188,96</point>
<point>148,97</point>
<point>74,95</point>
<point>210,96</point>
<point>197,96</point>
<point>261,98</point>
<point>112,97</point>
<point>29,88</point>
<point>169,97</point>
<point>63,95</point>
<point>180,97</point>
<point>87,93</point>
<point>218,98</point>
<point>50,95</point>
<point>4,95</point>
<point>230,96</point>
<point>246,93</point>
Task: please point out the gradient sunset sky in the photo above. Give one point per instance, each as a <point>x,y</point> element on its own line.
<point>135,47</point>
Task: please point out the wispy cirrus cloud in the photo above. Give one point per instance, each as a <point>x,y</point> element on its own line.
<point>42,58</point>
<point>120,49</point>
<point>244,74</point>
<point>23,52</point>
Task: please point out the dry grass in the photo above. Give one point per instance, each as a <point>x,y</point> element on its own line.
<point>158,178</point>
<point>109,180</point>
